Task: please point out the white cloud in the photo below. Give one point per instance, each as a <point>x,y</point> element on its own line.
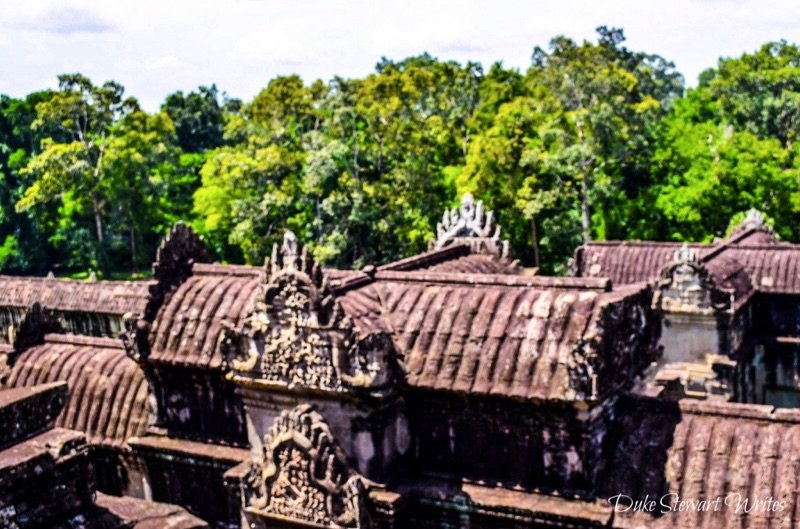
<point>64,20</point>
<point>155,47</point>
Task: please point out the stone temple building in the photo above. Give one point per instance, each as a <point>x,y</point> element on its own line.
<point>452,389</point>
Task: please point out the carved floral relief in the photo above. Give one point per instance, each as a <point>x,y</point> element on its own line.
<point>304,475</point>
<point>297,334</point>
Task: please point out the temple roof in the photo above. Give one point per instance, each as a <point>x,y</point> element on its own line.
<point>519,337</point>
<point>188,327</point>
<point>104,297</point>
<point>702,450</point>
<point>108,393</point>
<point>524,337</point>
<point>751,249</point>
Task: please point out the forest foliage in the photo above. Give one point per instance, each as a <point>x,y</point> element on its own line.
<point>593,141</point>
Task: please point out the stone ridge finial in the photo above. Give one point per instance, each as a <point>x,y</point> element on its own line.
<point>291,256</point>
<point>685,254</point>
<point>180,247</point>
<point>470,221</point>
<point>754,218</point>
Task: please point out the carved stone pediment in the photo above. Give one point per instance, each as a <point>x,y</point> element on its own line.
<point>687,286</point>
<point>298,336</point>
<point>36,323</point>
<point>471,224</point>
<point>176,254</point>
<point>304,476</point>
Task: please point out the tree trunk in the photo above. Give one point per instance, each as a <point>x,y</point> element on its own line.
<point>135,267</point>
<point>98,221</point>
<point>535,239</point>
<point>586,218</point>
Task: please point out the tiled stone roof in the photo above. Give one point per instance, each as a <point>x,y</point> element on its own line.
<point>700,450</point>
<point>108,393</point>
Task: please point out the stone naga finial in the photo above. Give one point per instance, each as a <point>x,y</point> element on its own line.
<point>291,256</point>
<point>470,221</point>
<point>685,254</point>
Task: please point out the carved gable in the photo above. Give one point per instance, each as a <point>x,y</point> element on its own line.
<point>176,254</point>
<point>304,476</point>
<point>686,285</point>
<point>298,336</point>
<point>471,224</point>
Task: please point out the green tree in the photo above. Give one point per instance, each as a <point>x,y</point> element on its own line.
<point>23,235</point>
<point>571,150</point>
<point>98,167</point>
<point>85,114</point>
<point>197,117</point>
<point>758,92</point>
<point>609,98</point>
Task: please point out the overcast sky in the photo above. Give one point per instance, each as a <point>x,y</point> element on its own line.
<point>157,47</point>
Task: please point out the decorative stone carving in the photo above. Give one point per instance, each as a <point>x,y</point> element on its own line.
<point>686,285</point>
<point>179,250</point>
<point>297,334</point>
<point>36,323</point>
<point>754,219</point>
<point>471,224</point>
<point>304,476</point>
<point>135,336</point>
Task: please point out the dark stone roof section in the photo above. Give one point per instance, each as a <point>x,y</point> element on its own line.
<point>478,264</point>
<point>67,295</point>
<point>81,307</point>
<point>108,394</point>
<point>134,513</point>
<point>774,268</point>
<point>26,411</point>
<point>527,338</point>
<point>188,328</point>
<point>626,262</point>
<point>702,450</point>
<point>46,474</point>
<point>750,259</point>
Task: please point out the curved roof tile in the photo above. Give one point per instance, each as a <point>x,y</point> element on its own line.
<point>698,450</point>
<point>188,326</point>
<point>504,338</point>
<point>105,297</point>
<point>108,394</point>
<point>773,267</point>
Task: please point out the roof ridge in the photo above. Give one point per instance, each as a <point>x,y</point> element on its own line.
<point>428,258</point>
<point>542,282</point>
<point>78,339</point>
<point>636,242</point>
